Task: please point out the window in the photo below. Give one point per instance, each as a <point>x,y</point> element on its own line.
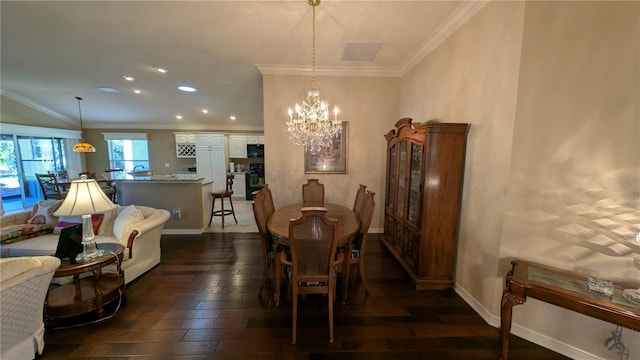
<point>21,157</point>
<point>127,150</point>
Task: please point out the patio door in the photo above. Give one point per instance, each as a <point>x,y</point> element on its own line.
<point>21,157</point>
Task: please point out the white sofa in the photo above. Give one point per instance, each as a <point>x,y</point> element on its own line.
<point>141,239</point>
<point>23,287</point>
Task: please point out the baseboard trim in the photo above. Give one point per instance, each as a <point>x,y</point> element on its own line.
<point>181,231</point>
<point>524,332</point>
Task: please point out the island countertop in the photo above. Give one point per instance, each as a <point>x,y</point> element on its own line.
<point>158,178</point>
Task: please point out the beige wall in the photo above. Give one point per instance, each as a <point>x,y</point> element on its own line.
<point>162,149</point>
<point>472,78</point>
<point>369,104</point>
<point>553,164</point>
<point>574,189</point>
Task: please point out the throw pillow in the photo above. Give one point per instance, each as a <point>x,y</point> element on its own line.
<point>106,228</point>
<point>126,221</point>
<point>66,221</point>
<point>42,212</point>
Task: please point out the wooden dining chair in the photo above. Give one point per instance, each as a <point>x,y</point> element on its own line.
<point>269,208</point>
<point>313,193</point>
<point>259,213</point>
<point>357,203</point>
<point>107,187</point>
<point>50,187</point>
<point>61,175</point>
<point>313,244</point>
<point>223,194</point>
<point>356,249</point>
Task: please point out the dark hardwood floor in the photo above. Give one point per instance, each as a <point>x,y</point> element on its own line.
<point>201,303</point>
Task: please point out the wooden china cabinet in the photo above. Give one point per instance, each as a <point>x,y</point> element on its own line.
<point>425,167</point>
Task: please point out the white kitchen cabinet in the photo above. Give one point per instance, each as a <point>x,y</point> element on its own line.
<point>211,158</point>
<point>238,146</point>
<point>185,145</point>
<point>239,185</point>
<point>255,139</point>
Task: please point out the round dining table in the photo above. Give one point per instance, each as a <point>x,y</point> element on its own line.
<point>278,226</point>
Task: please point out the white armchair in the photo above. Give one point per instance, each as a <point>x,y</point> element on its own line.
<point>23,288</point>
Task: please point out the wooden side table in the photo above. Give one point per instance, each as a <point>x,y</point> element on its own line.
<point>565,289</point>
<point>87,293</point>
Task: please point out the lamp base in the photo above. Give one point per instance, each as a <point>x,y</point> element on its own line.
<point>86,256</point>
<point>90,249</point>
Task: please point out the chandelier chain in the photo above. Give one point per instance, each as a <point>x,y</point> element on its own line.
<point>309,125</point>
<point>313,50</point>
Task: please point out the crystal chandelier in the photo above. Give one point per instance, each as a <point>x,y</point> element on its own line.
<point>310,125</point>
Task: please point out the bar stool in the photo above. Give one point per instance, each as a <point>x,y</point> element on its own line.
<point>222,194</point>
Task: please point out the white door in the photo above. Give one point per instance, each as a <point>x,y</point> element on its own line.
<point>211,159</point>
<point>218,167</point>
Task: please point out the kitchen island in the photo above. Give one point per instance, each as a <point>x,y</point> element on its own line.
<point>186,197</point>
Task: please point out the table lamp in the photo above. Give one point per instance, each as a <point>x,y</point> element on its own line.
<point>83,199</point>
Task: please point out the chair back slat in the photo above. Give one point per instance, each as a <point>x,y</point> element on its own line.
<point>357,203</point>
<point>61,175</point>
<point>313,193</point>
<point>269,208</point>
<point>365,216</point>
<point>229,186</point>
<point>259,213</point>
<point>50,187</point>
<point>261,220</point>
<point>313,243</point>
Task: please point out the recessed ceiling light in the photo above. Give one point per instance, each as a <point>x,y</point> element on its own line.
<point>137,91</point>
<point>186,88</point>
<point>160,70</point>
<point>128,78</point>
<point>179,117</point>
<point>108,89</point>
<point>232,117</point>
<point>205,111</point>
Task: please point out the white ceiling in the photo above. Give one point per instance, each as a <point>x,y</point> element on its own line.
<point>54,51</point>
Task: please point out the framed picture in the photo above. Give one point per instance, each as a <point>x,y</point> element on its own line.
<point>331,159</point>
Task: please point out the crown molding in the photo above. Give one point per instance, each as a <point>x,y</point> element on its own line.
<point>268,69</point>
<point>177,127</point>
<point>459,17</point>
<point>28,103</point>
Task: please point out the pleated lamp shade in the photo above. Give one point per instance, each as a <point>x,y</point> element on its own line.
<point>84,197</point>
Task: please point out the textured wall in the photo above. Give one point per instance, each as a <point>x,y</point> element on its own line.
<point>370,105</point>
<point>553,163</point>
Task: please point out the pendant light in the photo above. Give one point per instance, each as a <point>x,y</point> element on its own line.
<point>83,147</point>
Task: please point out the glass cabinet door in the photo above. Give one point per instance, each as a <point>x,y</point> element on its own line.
<point>413,213</point>
<point>391,176</point>
<point>402,176</point>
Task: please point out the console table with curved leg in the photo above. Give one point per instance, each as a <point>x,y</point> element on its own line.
<point>566,289</point>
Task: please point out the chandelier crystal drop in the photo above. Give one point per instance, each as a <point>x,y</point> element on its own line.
<point>309,125</point>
